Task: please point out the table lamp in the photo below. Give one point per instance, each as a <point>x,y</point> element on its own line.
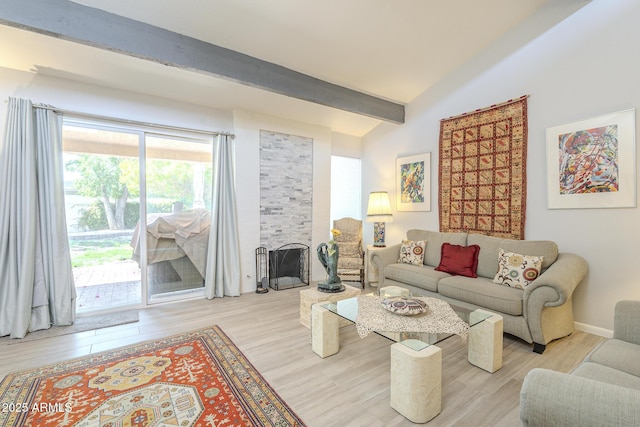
<point>379,212</point>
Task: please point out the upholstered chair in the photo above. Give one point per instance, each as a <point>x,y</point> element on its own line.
<point>351,259</point>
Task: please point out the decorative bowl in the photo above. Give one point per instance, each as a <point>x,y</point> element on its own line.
<point>404,305</point>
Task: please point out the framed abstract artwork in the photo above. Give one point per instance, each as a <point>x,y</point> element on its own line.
<point>413,183</point>
<point>591,163</point>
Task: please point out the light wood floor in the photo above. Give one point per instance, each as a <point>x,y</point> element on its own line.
<point>350,388</point>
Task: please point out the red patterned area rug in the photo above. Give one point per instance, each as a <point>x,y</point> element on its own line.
<point>199,378</point>
<point>482,177</point>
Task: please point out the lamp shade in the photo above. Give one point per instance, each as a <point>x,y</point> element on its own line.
<point>379,209</point>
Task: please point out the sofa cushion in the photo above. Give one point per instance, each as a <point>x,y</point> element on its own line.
<point>412,252</point>
<point>490,246</point>
<point>349,249</point>
<point>516,270</point>
<point>606,374</point>
<point>488,257</point>
<point>543,248</point>
<point>434,241</point>
<point>350,263</point>
<point>421,276</point>
<point>617,354</point>
<point>459,260</point>
<point>482,292</point>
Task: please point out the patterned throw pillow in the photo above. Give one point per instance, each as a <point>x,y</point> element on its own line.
<point>412,252</point>
<point>517,271</point>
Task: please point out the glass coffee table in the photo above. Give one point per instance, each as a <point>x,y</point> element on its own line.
<point>416,360</point>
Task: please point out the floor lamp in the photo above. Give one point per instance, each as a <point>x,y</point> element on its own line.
<point>379,212</point>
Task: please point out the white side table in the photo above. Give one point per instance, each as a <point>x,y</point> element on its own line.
<point>370,270</point>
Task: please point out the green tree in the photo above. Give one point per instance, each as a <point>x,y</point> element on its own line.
<point>113,180</point>
<point>170,179</point>
<point>101,177</point>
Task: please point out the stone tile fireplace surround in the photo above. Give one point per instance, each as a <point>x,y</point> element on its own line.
<point>286,189</point>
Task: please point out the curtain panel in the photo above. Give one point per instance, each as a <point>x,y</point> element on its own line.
<point>223,259</point>
<point>36,279</point>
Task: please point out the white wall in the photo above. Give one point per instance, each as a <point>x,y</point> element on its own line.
<point>346,145</point>
<point>91,99</point>
<point>585,66</point>
<point>247,129</point>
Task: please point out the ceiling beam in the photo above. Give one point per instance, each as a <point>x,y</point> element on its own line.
<point>74,22</point>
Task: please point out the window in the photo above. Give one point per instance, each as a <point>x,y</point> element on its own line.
<point>346,188</point>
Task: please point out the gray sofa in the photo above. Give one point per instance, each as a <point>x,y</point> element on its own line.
<point>604,390</point>
<point>539,313</point>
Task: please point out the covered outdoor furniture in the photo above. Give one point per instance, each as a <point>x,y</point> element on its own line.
<point>177,246</point>
<point>351,259</point>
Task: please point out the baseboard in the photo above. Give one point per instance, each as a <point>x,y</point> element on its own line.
<point>601,332</point>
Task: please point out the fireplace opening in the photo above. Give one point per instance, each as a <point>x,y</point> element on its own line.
<point>289,266</point>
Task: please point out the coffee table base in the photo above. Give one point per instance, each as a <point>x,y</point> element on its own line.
<point>416,375</point>
<point>325,331</point>
<point>485,341</point>
<point>311,296</point>
<point>416,382</point>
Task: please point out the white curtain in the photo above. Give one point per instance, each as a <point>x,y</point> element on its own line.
<point>223,259</point>
<point>36,279</point>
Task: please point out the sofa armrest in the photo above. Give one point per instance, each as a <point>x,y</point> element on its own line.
<point>563,276</point>
<point>385,256</point>
<point>553,288</point>
<point>550,398</point>
<point>626,321</point>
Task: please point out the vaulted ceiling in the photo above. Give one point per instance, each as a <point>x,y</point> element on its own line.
<point>391,49</point>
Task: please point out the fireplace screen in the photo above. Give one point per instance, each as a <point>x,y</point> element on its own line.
<point>289,266</point>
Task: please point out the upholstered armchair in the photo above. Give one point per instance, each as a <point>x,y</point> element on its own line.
<point>604,390</point>
<point>351,259</point>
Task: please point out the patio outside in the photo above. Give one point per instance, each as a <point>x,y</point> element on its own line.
<point>111,279</point>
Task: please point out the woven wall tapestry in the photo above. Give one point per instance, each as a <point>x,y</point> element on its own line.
<point>482,171</point>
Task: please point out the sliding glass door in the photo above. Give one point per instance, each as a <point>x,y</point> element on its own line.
<point>102,211</point>
<point>115,175</point>
<point>178,202</point>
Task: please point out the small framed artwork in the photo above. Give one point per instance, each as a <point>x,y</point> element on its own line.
<point>591,163</point>
<point>413,184</point>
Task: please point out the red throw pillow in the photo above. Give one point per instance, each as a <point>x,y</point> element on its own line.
<point>459,260</point>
